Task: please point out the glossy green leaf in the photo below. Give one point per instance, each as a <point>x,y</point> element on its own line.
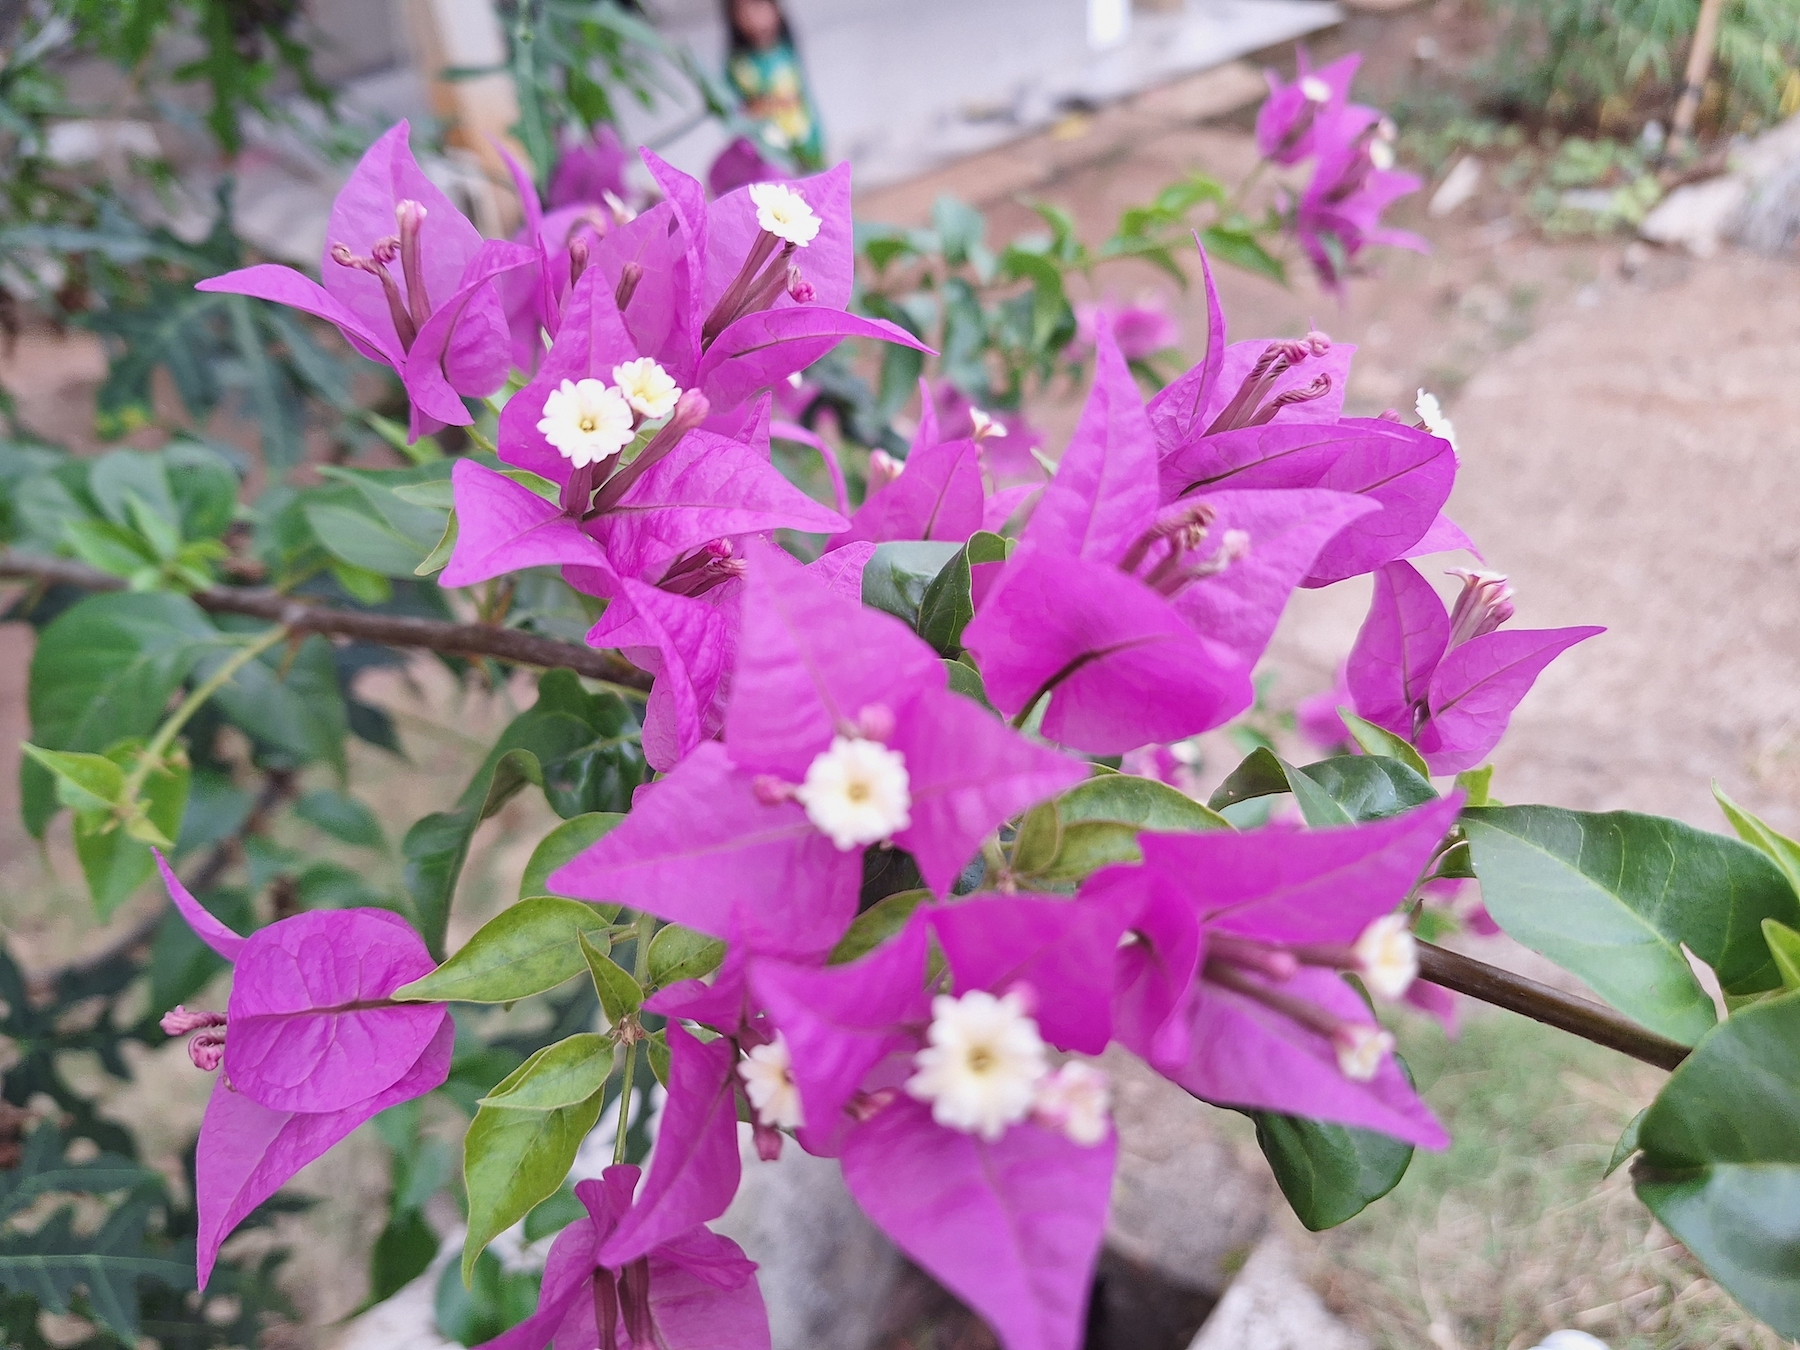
<point>1770,842</point>
<point>896,577</point>
<point>1097,823</point>
<point>876,924</point>
<point>1378,741</point>
<point>619,993</point>
<point>678,953</point>
<point>1363,787</point>
<point>1613,897</point>
<point>1329,1173</point>
<point>1260,775</point>
<point>514,1160</point>
<point>1721,1158</point>
<point>945,608</point>
<point>562,844</point>
<point>966,680</point>
<point>564,1074</point>
<point>525,949</point>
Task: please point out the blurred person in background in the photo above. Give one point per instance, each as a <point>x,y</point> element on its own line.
<point>764,68</point>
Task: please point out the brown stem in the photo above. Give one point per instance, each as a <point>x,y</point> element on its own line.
<point>396,630</point>
<point>1550,1006</point>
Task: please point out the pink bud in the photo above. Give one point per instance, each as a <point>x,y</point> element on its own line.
<point>875,722</point>
<point>768,1141</point>
<point>799,289</point>
<point>179,1021</point>
<point>770,790</point>
<point>207,1050</point>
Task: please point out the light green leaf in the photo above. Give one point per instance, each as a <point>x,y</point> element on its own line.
<point>678,953</point>
<point>1476,784</point>
<point>514,1160</point>
<point>1776,846</point>
<point>1613,897</point>
<point>1378,741</point>
<point>562,844</point>
<point>84,782</point>
<point>619,993</point>
<point>525,949</point>
<point>564,1074</point>
<point>1784,946</point>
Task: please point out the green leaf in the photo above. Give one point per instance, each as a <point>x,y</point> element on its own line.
<point>104,670</point>
<point>1784,946</point>
<point>564,1074</point>
<point>946,607</point>
<point>573,744</point>
<point>54,1260</point>
<point>1776,846</point>
<point>1628,1143</point>
<point>1378,741</point>
<point>620,995</point>
<point>525,949</point>
<point>1329,1173</point>
<point>120,477</point>
<point>42,1169</point>
<point>1613,897</point>
<point>115,857</point>
<point>514,1160</point>
<point>966,680</point>
<point>1241,248</point>
<point>1097,823</point>
<point>1361,787</point>
<point>897,576</point>
<point>1476,782</point>
<point>561,845</point>
<point>678,953</point>
<point>342,817</point>
<point>959,229</point>
<point>439,557</point>
<point>404,1251</point>
<point>1721,1158</point>
<point>876,924</point>
<point>1260,775</point>
<point>84,782</point>
<point>109,547</point>
<point>290,700</point>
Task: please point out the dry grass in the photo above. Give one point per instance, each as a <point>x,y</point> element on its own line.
<point>1513,1233</point>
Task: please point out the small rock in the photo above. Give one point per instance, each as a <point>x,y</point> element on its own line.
<point>1697,216</point>
<point>1458,187</point>
<point>1186,1205</point>
<point>1270,1307</point>
<point>826,1272</point>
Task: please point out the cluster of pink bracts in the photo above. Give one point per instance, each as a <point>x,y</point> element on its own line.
<point>796,729</point>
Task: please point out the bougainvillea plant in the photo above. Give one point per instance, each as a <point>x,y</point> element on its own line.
<point>849,860</point>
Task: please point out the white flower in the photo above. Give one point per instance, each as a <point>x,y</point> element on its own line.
<point>1387,957</point>
<point>1381,155</point>
<point>858,792</point>
<point>1360,1050</point>
<point>1431,413</point>
<point>784,213</point>
<point>1076,1099</point>
<point>586,422</point>
<point>1315,89</point>
<point>981,1071</point>
<point>768,1076</point>
<point>985,427</point>
<point>647,387</point>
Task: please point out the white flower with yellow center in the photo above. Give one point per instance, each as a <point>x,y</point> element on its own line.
<point>1076,1099</point>
<point>784,213</point>
<point>586,421</point>
<point>983,1065</point>
<point>1431,413</point>
<point>1361,1049</point>
<point>647,387</point>
<point>768,1075</point>
<point>857,792</point>
<point>1387,957</point>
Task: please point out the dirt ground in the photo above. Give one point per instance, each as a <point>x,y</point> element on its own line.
<point>1630,432</point>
